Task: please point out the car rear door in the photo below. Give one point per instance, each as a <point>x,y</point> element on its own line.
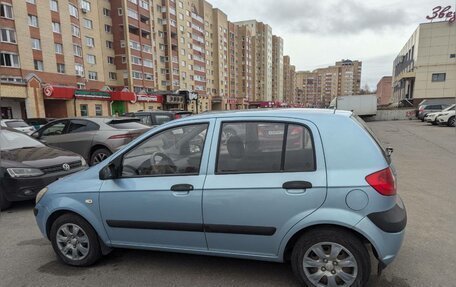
<point>79,137</point>
<point>261,182</point>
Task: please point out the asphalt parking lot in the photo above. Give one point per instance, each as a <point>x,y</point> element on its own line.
<point>424,156</point>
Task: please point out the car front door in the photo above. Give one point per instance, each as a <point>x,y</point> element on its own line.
<point>260,182</point>
<point>52,133</point>
<point>156,200</point>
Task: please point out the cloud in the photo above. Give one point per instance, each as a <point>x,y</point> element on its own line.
<point>319,17</point>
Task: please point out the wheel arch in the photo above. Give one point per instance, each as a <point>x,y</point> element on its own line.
<point>294,238</point>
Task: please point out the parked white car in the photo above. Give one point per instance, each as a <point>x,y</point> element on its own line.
<point>432,117</point>
<point>18,125</point>
<point>447,118</point>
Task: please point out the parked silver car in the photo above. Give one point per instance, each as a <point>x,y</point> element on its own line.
<point>17,124</point>
<point>93,138</point>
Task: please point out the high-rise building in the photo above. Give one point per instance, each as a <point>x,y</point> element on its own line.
<point>322,85</point>
<point>244,66</point>
<point>262,59</point>
<point>277,68</point>
<point>289,81</point>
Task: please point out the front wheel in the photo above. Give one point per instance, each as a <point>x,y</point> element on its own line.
<point>75,241</point>
<point>451,122</point>
<point>331,257</point>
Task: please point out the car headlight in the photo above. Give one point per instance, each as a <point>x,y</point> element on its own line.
<point>24,172</point>
<point>40,194</point>
<point>83,162</point>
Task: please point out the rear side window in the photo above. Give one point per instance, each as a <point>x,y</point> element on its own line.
<point>77,126</point>
<point>262,147</point>
<point>363,124</point>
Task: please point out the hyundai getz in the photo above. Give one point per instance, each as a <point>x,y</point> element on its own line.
<point>313,187</point>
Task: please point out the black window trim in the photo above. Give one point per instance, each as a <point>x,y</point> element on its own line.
<point>120,158</point>
<point>52,123</point>
<point>286,124</point>
<point>86,122</point>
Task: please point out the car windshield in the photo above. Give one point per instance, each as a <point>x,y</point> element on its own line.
<point>16,124</point>
<point>16,140</point>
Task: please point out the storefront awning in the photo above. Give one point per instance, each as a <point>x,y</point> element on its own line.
<point>122,96</point>
<point>56,92</point>
<point>92,95</point>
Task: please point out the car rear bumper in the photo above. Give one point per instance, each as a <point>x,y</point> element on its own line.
<point>385,230</point>
<point>18,189</point>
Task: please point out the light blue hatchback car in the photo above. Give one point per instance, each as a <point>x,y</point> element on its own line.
<point>313,187</point>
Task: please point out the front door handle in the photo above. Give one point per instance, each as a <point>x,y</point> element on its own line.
<point>182,187</point>
<point>297,185</point>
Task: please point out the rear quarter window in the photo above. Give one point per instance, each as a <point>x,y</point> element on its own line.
<point>363,124</point>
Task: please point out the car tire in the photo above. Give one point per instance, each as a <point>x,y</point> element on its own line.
<point>349,251</point>
<point>4,203</point>
<point>75,241</point>
<point>451,122</point>
<point>99,155</point>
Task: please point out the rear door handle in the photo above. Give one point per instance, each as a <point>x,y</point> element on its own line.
<point>182,187</point>
<point>297,185</point>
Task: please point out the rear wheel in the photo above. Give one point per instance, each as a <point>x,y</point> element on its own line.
<point>75,241</point>
<point>99,155</point>
<point>451,122</point>
<point>4,203</point>
<point>330,257</point>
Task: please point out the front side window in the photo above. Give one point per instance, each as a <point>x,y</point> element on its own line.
<point>254,147</point>
<point>55,129</point>
<point>176,151</point>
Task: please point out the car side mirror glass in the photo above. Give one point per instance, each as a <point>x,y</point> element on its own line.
<point>108,172</point>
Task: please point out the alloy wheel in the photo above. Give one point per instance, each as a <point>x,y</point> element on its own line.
<point>329,264</point>
<point>99,157</point>
<point>72,241</point>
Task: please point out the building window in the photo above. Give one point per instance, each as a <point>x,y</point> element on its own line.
<point>84,109</point>
<point>124,59</point>
<point>54,5</point>
<point>36,44</point>
<point>439,77</point>
<point>148,63</point>
<point>9,60</point>
<point>88,23</point>
<point>98,110</point>
<point>56,27</point>
<point>106,12</point>
<point>6,11</point>
<point>85,5</point>
<point>136,60</point>
<point>58,48</point>
<point>32,20</point>
<point>144,4</point>
<point>181,4</point>
<point>93,75</point>
<point>31,1</point>
<point>148,76</point>
<point>79,70</point>
<point>134,1</point>
<point>452,55</point>
<point>75,31</point>
<point>110,60</point>
<point>77,50</point>
<point>73,10</point>
<point>91,59</point>
<point>119,11</point>
<point>147,49</point>
<point>136,75</point>
<point>38,65</point>
<point>132,14</point>
<point>109,44</point>
<point>107,28</point>
<point>8,35</point>
<point>90,42</point>
<point>61,68</point>
<point>112,76</point>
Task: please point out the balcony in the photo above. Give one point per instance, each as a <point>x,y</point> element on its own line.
<point>197,17</point>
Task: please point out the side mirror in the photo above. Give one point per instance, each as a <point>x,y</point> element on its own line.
<point>389,151</point>
<point>108,172</point>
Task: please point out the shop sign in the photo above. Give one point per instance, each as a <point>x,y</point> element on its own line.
<point>48,90</point>
<point>91,94</point>
<point>170,99</point>
<point>443,13</point>
<point>148,98</point>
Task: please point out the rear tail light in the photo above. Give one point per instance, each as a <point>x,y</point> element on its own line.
<point>177,116</point>
<point>383,182</point>
<point>123,136</point>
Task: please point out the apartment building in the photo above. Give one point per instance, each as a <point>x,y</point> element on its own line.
<point>92,58</point>
<point>425,68</point>
<point>289,81</point>
<point>277,68</point>
<point>320,86</point>
<point>262,59</point>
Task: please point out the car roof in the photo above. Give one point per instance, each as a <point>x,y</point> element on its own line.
<point>12,120</point>
<point>287,112</point>
<point>97,119</point>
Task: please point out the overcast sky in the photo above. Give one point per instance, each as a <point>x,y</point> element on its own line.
<point>318,33</point>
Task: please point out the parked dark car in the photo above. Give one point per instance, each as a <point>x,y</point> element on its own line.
<point>37,123</point>
<point>156,118</point>
<point>93,138</point>
<point>27,166</point>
